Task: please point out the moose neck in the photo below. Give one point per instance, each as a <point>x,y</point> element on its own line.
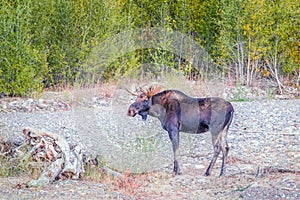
<point>157,110</point>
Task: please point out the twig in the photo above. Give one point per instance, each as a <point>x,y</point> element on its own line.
<point>26,156</point>
<point>94,162</point>
<point>241,189</point>
<point>112,172</point>
<point>286,134</point>
<point>268,170</point>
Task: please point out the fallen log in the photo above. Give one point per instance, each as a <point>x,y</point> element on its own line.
<point>60,159</point>
<point>66,162</point>
<point>48,175</point>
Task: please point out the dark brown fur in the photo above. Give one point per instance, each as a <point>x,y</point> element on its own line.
<point>179,112</point>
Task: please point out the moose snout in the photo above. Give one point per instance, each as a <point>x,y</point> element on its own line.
<point>131,111</point>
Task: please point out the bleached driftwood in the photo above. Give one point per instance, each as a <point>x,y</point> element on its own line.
<point>48,175</point>
<point>66,162</point>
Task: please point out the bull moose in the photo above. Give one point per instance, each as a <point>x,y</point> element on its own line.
<point>179,112</point>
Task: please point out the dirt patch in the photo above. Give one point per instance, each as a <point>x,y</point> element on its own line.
<point>264,135</point>
<point>162,185</point>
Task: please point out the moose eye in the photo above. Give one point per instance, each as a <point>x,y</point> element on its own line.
<point>145,102</point>
<point>142,98</point>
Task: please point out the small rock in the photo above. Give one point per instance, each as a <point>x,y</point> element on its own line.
<point>3,105</point>
<point>41,104</point>
<point>199,166</point>
<point>281,97</point>
<point>41,101</point>
<point>201,180</point>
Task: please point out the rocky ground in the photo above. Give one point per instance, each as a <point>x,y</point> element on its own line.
<point>264,158</point>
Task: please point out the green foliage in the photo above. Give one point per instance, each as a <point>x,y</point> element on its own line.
<point>263,35</point>
<point>22,66</point>
<point>45,43</point>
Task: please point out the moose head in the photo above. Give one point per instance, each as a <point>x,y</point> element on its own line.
<point>143,101</point>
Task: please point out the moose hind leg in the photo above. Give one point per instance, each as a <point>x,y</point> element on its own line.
<point>217,150</point>
<point>225,151</point>
<point>224,143</point>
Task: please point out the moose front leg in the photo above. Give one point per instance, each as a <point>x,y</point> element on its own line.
<point>174,137</point>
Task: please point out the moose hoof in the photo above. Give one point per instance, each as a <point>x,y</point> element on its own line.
<point>221,175</point>
<point>177,173</point>
<point>176,169</point>
<point>207,173</point>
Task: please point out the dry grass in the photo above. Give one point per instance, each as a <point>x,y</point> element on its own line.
<point>13,165</point>
<point>127,184</point>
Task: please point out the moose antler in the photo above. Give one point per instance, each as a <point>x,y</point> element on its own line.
<point>130,92</point>
<point>152,90</point>
<point>149,92</point>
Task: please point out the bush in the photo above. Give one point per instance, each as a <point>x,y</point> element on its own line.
<point>45,43</point>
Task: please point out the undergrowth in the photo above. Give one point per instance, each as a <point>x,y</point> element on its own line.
<point>12,164</point>
<point>127,183</point>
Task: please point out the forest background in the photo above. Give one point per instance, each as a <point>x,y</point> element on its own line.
<point>45,43</point>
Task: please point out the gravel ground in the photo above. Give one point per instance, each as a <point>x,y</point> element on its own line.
<point>264,135</point>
